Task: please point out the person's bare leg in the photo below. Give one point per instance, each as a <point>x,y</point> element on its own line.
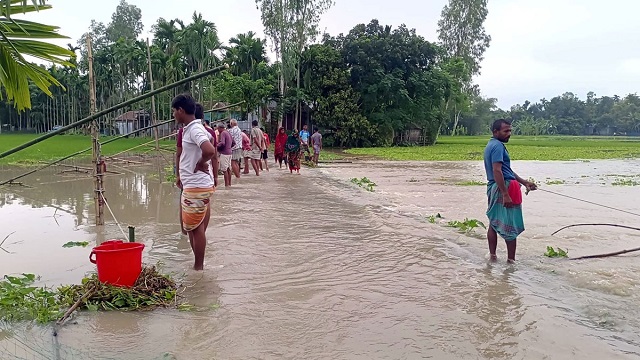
<point>235,165</point>
<point>200,243</point>
<point>184,232</point>
<point>492,238</point>
<point>191,241</point>
<point>256,166</point>
<point>227,178</point>
<point>216,168</point>
<point>266,164</point>
<point>511,251</point>
<point>246,165</point>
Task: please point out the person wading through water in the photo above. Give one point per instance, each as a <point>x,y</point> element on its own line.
<point>215,163</point>
<point>197,182</point>
<point>503,190</point>
<point>281,140</point>
<point>199,114</point>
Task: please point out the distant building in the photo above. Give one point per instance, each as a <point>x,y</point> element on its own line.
<point>132,121</point>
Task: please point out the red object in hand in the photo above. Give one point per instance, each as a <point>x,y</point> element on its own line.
<point>514,192</point>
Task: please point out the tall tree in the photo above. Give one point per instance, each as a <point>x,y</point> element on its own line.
<point>461,31</point>
<point>126,22</point>
<point>245,53</point>
<point>291,25</point>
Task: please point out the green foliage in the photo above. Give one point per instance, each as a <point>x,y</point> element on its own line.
<point>471,183</point>
<point>364,183</point>
<point>552,253</point>
<point>20,38</point>
<point>20,300</point>
<point>169,174</point>
<point>625,182</point>
<point>467,225</point>
<point>434,218</point>
<point>71,244</point>
<point>554,182</point>
<point>462,33</point>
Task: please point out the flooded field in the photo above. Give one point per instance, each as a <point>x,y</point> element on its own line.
<point>313,267</point>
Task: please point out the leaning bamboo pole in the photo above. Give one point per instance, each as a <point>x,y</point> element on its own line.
<point>79,153</point>
<point>112,109</point>
<point>8,181</point>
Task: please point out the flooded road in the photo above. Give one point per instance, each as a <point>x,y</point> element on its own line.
<point>312,267</point>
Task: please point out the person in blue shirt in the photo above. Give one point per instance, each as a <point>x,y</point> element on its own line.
<point>304,140</point>
<point>503,190</point>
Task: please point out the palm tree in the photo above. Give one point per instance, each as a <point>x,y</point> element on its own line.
<point>245,53</point>
<point>17,39</point>
<point>199,42</point>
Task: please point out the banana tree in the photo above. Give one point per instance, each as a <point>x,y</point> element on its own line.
<point>20,38</point>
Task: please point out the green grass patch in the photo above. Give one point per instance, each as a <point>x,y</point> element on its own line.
<point>471,183</point>
<point>467,225</point>
<point>330,155</point>
<point>365,183</point>
<point>553,253</point>
<point>63,145</point>
<point>459,148</point>
<point>554,182</point>
<point>625,182</point>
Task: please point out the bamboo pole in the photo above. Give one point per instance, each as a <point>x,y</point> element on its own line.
<point>112,109</point>
<point>96,160</point>
<point>78,153</point>
<point>143,144</point>
<point>8,181</point>
<point>153,98</point>
<point>225,107</point>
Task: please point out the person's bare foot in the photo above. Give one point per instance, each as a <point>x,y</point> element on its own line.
<point>511,261</point>
<point>493,258</point>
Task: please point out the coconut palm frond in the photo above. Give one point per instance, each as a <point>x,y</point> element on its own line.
<point>20,38</point>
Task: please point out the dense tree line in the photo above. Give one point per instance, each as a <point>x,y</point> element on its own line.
<point>364,88</point>
<point>565,114</point>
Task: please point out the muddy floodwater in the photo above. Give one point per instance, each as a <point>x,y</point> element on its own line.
<point>314,267</point>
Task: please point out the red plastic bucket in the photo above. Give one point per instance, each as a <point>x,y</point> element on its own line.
<point>111,242</point>
<point>118,263</point>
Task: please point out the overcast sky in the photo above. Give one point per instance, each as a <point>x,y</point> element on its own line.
<point>539,49</point>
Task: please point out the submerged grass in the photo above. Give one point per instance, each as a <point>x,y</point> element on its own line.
<point>471,183</point>
<point>63,145</point>
<point>461,148</point>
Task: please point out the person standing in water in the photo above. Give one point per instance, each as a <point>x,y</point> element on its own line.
<point>316,143</point>
<point>257,146</point>
<point>293,151</point>
<point>225,146</point>
<point>197,183</point>
<point>503,191</point>
<point>236,135</point>
<point>281,140</point>
<point>215,164</point>
<point>246,151</point>
<point>265,152</point>
<point>304,140</point>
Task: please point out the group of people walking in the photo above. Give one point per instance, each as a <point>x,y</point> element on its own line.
<point>289,148</point>
<point>203,153</point>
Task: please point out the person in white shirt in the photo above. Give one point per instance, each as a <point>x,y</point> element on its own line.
<point>236,156</point>
<point>196,180</point>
